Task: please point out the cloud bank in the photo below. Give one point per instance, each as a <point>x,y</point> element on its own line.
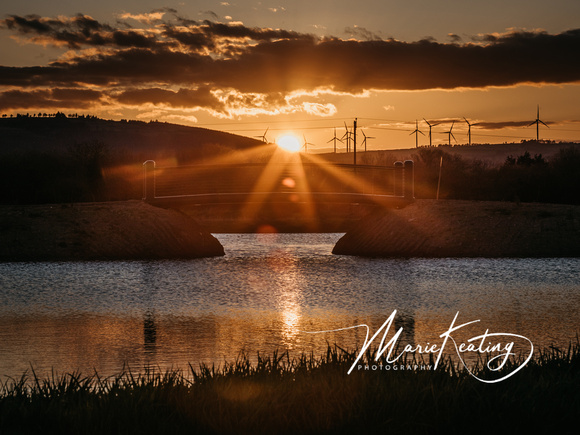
<point>223,68</point>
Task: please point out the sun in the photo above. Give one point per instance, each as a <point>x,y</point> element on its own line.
<point>289,142</point>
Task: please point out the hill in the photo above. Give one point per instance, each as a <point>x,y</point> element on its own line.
<point>54,159</point>
<point>141,140</point>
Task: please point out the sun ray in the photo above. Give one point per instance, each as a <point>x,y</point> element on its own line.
<point>266,182</point>
<point>349,177</point>
<point>306,201</point>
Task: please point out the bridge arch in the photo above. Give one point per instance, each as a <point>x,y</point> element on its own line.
<point>296,196</point>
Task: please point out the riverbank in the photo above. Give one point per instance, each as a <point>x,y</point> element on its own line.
<point>125,230</point>
<point>307,395</point>
<point>436,229</point>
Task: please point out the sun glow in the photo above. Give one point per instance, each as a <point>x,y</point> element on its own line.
<point>289,142</point>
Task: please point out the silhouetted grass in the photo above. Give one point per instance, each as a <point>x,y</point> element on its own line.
<point>308,394</point>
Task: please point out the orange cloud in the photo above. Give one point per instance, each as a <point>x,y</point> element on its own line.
<point>225,68</point>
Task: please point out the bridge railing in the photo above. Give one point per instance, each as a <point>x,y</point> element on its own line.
<point>241,180</point>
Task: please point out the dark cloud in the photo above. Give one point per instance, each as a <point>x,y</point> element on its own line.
<point>83,30</point>
<point>183,98</point>
<point>74,32</point>
<point>212,14</point>
<point>505,124</point>
<point>197,57</point>
<point>48,98</point>
<point>362,33</point>
<point>133,39</point>
<point>27,24</point>
<point>195,40</point>
<point>166,9</point>
<point>130,67</point>
<point>454,38</point>
<point>257,34</point>
<point>353,66</point>
<point>208,35</point>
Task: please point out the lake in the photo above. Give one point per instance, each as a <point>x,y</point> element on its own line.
<point>269,292</point>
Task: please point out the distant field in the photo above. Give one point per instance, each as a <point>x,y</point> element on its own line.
<point>491,153</point>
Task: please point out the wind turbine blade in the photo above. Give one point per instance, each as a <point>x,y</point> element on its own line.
<point>421,132</point>
<point>544,123</point>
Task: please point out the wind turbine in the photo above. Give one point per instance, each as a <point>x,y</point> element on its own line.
<point>430,125</point>
<point>538,121</point>
<point>416,133</point>
<point>450,133</point>
<point>469,129</point>
<point>347,136</point>
<point>263,137</point>
<point>334,139</point>
<point>364,142</point>
<point>306,143</point>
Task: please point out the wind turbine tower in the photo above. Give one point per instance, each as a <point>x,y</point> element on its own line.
<point>430,126</point>
<point>306,143</point>
<point>450,133</point>
<point>364,142</point>
<point>468,130</point>
<point>334,139</point>
<point>416,133</point>
<point>538,121</point>
<point>347,137</point>
<point>263,137</point>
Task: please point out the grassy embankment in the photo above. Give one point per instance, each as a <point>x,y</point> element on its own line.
<point>302,395</point>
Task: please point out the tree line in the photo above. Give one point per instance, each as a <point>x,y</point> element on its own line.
<point>524,178</point>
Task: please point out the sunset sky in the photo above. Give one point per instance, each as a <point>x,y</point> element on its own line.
<point>303,67</point>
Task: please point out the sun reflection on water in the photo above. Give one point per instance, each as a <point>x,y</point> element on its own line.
<point>263,296</point>
<point>287,293</point>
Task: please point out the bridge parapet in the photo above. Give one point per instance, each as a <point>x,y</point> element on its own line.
<point>284,182</point>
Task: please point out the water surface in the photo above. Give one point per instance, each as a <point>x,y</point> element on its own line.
<point>266,294</point>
